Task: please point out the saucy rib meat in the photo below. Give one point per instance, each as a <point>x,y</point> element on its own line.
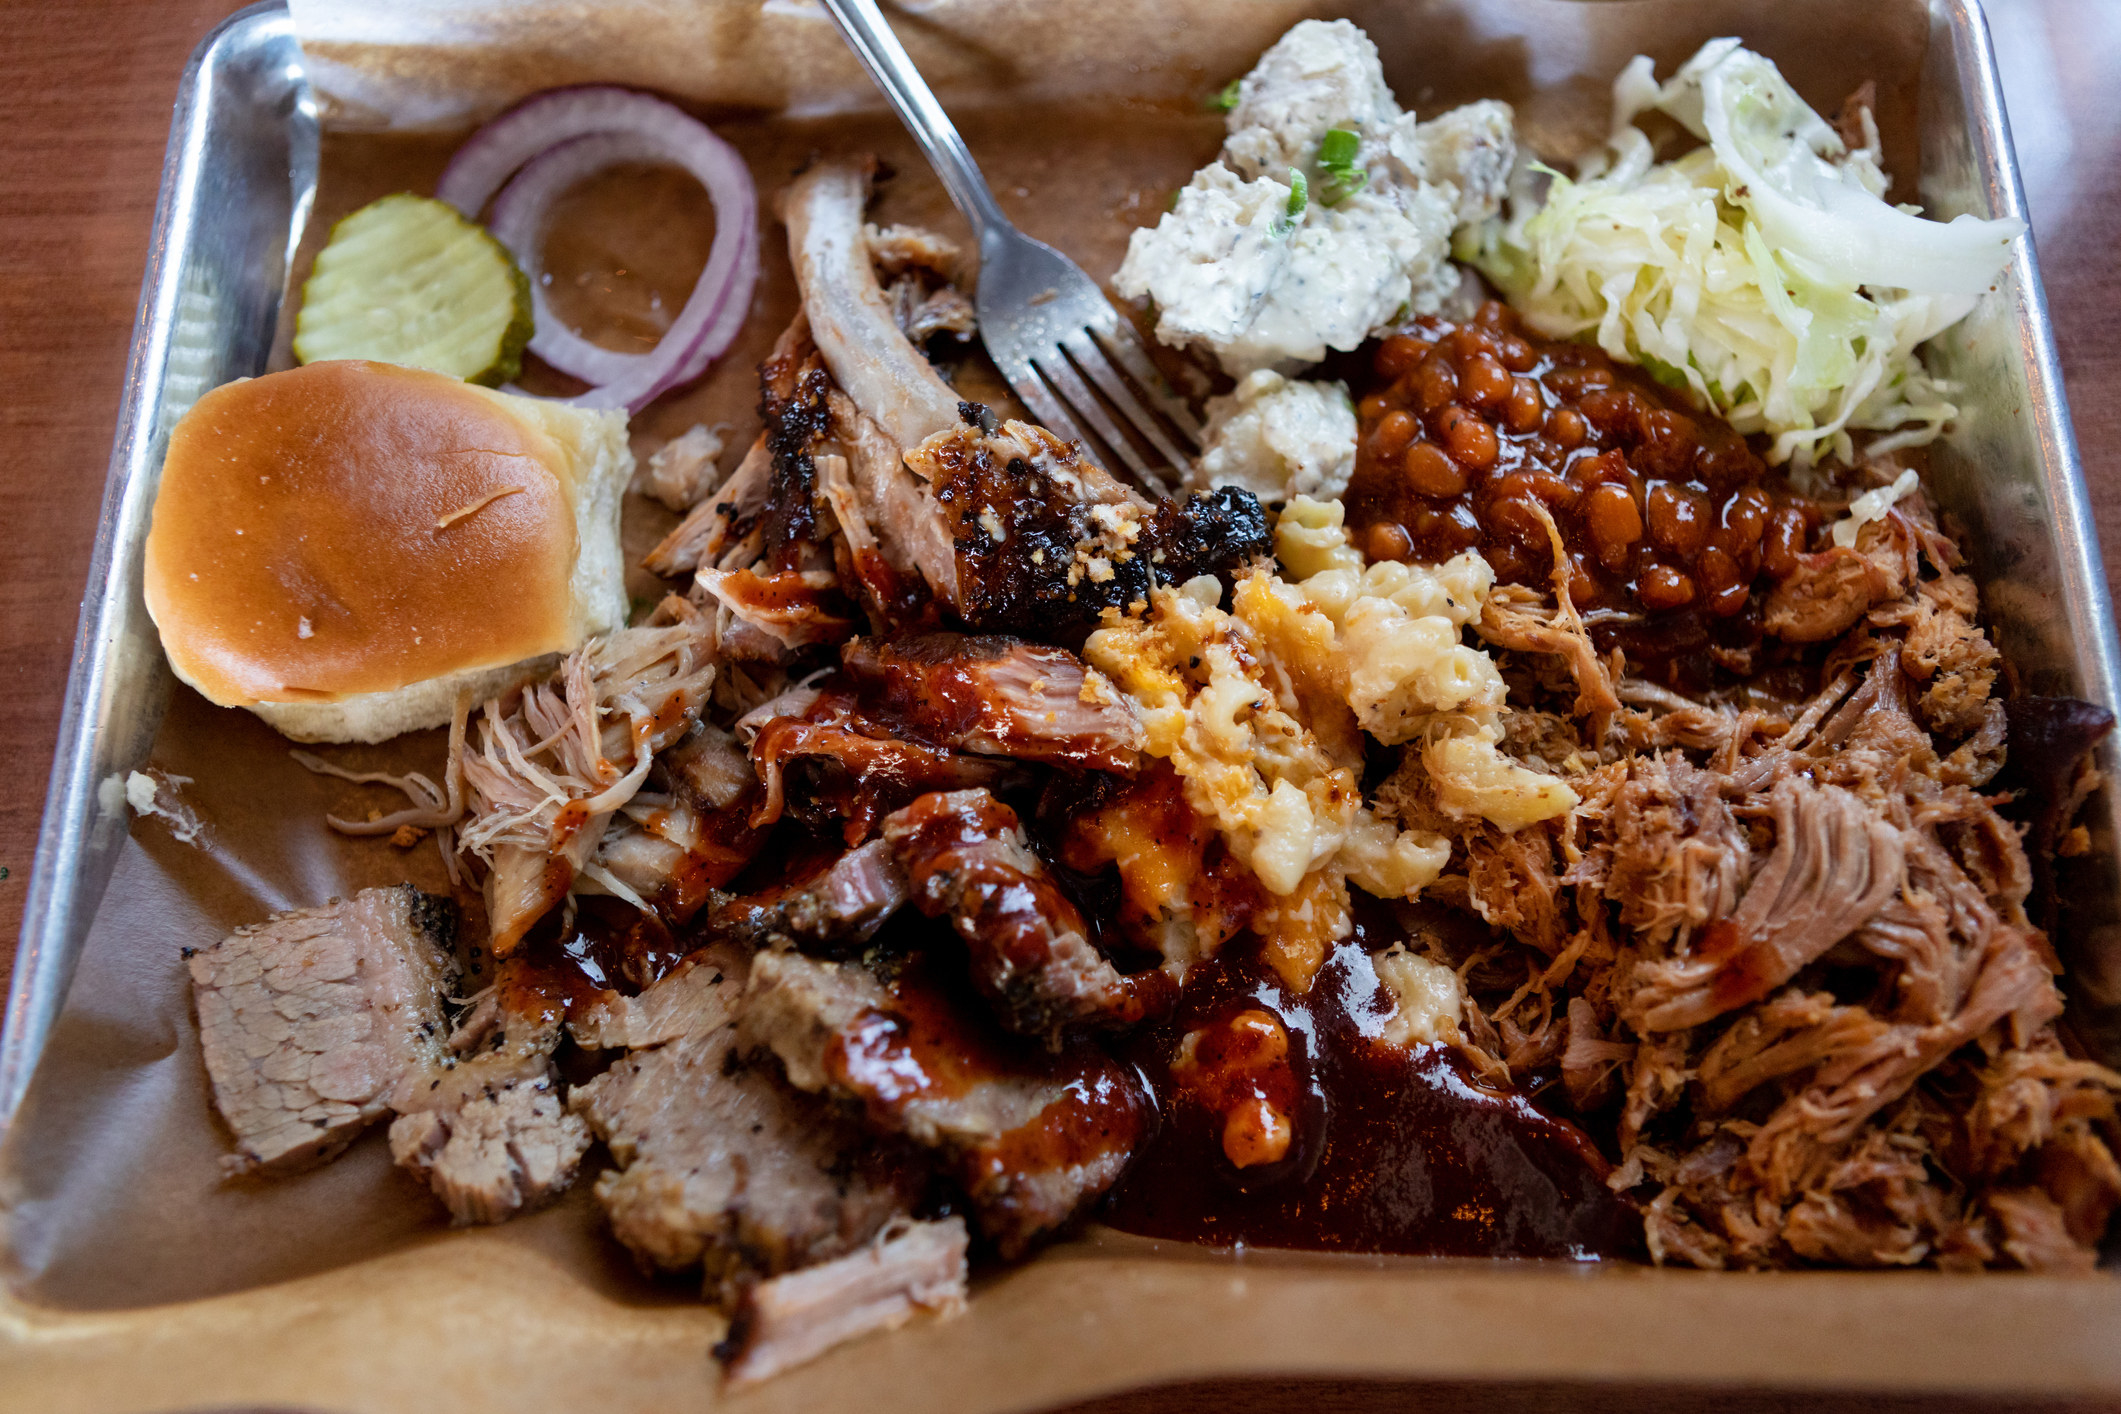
<point>938,711</point>
<point>996,696</point>
<point>827,762</point>
<point>966,859</point>
<point>1033,1136</point>
<point>833,908</point>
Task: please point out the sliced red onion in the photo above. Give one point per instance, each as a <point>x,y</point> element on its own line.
<point>557,139</point>
<point>483,163</point>
<point>518,222</point>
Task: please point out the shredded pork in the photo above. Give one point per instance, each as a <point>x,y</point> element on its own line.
<point>550,771</point>
<point>1787,950</point>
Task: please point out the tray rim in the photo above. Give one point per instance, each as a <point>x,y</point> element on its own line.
<point>76,839</point>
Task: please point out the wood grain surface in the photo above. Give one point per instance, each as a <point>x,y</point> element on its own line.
<point>86,91</point>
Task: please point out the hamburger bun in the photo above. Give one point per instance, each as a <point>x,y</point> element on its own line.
<point>345,547</point>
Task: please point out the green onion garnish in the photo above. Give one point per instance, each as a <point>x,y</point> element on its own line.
<point>1337,151</point>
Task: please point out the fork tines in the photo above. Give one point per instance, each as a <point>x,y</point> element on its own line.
<point>1052,382</point>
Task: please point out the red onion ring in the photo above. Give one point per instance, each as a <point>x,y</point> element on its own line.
<point>518,223</point>
<point>549,138</point>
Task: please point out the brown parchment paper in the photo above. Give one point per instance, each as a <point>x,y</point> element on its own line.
<point>140,1280</point>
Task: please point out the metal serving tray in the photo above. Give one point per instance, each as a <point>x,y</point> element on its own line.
<point>236,188</point>
<point>237,180</point>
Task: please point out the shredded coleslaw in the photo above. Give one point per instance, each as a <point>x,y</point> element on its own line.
<point>1764,270</point>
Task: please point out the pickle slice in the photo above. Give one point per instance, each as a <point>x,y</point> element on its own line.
<point>408,280</point>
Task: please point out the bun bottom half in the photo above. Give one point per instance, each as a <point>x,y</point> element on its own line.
<point>378,716</point>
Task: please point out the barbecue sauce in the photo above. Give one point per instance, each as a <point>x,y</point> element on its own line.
<point>606,947</point>
<point>1390,1149</point>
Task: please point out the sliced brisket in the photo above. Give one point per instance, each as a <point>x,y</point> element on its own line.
<point>312,1018</point>
<point>501,1152</point>
<point>485,1127</point>
<point>693,997</point>
<point>721,1162</point>
<point>910,1267</point>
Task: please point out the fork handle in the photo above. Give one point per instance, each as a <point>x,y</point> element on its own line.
<point>886,60</point>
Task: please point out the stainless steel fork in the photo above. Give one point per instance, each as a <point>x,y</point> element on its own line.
<point>1074,360</point>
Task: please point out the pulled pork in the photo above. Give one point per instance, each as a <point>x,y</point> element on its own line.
<point>551,769</point>
<point>1787,951</point>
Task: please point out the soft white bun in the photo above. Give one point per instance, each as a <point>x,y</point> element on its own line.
<point>345,547</point>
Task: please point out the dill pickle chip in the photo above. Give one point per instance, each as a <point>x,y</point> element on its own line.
<point>408,280</point>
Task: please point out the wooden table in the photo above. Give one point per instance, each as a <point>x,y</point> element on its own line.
<point>85,99</point>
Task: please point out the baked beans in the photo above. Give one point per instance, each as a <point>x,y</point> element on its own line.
<point>1475,428</point>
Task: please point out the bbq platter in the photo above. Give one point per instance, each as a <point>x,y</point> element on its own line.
<point>1486,762</point>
